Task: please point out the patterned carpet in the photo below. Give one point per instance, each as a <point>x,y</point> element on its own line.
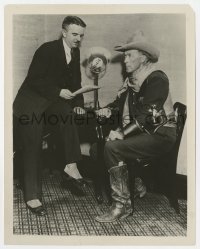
<point>71,215</point>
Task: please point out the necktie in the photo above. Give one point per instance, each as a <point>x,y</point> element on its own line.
<point>72,53</point>
<point>70,56</point>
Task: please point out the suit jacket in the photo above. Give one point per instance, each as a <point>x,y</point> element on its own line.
<point>154,91</point>
<point>47,75</point>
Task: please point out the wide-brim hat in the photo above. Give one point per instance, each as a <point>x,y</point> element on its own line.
<point>139,42</point>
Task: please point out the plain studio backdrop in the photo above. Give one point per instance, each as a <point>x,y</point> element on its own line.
<point>166,31</point>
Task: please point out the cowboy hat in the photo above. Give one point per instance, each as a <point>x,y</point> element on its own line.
<point>139,42</point>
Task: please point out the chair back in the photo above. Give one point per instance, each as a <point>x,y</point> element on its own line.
<point>181,115</point>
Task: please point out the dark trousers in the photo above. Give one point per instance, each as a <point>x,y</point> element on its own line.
<point>142,146</point>
<point>58,119</point>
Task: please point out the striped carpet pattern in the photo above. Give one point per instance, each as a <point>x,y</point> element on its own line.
<point>71,215</point>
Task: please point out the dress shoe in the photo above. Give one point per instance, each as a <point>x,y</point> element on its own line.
<point>40,211</point>
<point>75,186</point>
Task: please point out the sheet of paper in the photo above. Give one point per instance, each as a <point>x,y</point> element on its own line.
<point>87,88</point>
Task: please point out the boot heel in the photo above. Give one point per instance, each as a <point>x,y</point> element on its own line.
<point>126,215</point>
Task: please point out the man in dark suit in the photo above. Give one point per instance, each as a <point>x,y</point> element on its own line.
<point>46,99</point>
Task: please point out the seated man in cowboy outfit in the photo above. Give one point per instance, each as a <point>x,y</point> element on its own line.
<point>147,126</point>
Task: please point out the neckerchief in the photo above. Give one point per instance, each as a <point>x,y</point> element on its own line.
<point>136,80</point>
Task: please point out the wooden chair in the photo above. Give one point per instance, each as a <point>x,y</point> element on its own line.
<point>168,163</point>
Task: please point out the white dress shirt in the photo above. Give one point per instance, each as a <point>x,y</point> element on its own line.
<point>67,52</point>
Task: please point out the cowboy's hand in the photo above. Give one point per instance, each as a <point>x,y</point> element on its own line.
<point>66,94</point>
<point>79,110</point>
<point>115,135</point>
<point>104,112</point>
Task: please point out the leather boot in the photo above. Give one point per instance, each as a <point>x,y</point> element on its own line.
<point>121,207</point>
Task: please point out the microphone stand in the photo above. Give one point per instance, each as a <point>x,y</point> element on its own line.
<point>98,127</point>
<point>100,147</point>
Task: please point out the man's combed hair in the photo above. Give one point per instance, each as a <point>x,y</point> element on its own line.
<point>73,20</point>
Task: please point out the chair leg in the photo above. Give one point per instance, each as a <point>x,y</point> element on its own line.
<point>107,187</point>
<point>131,184</point>
<point>174,203</point>
<point>98,190</point>
<point>104,177</point>
<point>18,170</point>
<point>172,193</point>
